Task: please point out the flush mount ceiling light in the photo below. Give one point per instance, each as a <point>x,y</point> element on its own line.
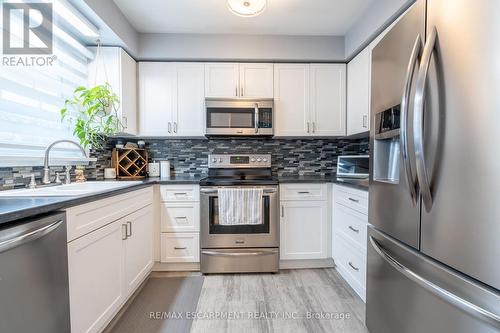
<point>247,8</point>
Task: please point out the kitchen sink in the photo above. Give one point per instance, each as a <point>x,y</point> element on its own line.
<point>68,190</point>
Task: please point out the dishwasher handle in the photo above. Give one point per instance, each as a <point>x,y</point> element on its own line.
<point>29,236</point>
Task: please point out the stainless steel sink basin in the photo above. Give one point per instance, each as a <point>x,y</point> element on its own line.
<point>68,190</point>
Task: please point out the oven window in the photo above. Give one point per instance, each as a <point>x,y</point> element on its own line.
<point>230,118</point>
<point>216,228</point>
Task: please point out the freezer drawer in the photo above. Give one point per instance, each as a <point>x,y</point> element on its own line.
<point>408,292</point>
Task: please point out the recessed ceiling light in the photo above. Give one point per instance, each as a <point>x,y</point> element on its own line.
<point>247,8</point>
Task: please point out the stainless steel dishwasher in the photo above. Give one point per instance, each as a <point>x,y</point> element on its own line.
<point>34,276</point>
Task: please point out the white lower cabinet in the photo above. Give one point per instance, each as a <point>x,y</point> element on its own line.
<point>107,264</point>
<point>180,224</point>
<point>303,222</point>
<point>349,226</point>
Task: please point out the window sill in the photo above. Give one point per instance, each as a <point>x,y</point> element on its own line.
<point>30,161</point>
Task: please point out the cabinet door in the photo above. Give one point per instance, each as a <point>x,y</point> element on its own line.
<point>156,94</point>
<point>291,99</point>
<point>221,80</point>
<point>138,247</point>
<point>304,226</point>
<point>128,98</point>
<point>328,94</point>
<point>256,80</point>
<point>189,116</point>
<point>96,271</point>
<point>358,93</point>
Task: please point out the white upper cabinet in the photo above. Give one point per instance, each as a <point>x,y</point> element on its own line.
<point>328,95</point>
<point>171,99</point>
<point>358,93</point>
<point>233,80</point>
<point>221,80</point>
<point>309,99</point>
<point>117,68</point>
<point>291,99</point>
<point>256,80</point>
<point>156,96</point>
<point>189,113</point>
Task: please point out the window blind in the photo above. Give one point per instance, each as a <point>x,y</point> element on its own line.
<point>31,96</point>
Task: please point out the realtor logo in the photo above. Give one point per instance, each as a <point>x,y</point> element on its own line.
<point>27,28</point>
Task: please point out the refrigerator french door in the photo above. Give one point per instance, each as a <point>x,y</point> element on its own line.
<point>434,246</point>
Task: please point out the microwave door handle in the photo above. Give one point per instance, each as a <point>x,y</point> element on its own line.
<point>256,118</point>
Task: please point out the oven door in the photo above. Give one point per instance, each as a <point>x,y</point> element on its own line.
<point>239,117</point>
<point>214,235</point>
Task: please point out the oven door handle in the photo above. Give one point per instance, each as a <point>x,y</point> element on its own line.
<point>238,254</point>
<point>209,191</point>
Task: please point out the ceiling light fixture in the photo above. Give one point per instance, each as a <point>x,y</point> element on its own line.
<point>246,8</point>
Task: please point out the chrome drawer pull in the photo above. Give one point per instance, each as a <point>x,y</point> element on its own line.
<point>353,229</point>
<point>303,192</point>
<point>354,200</point>
<point>238,241</point>
<point>180,248</point>
<point>353,267</point>
<point>180,193</point>
<point>181,218</point>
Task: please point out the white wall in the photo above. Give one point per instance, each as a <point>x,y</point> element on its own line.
<point>240,47</point>
<point>374,20</point>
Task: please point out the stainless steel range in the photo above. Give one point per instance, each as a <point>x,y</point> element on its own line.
<point>241,247</point>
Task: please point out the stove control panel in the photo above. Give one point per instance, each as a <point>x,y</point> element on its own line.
<point>239,161</point>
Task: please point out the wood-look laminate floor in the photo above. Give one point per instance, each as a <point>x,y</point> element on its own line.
<point>298,300</point>
<point>301,300</point>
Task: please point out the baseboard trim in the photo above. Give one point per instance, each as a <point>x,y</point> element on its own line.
<point>176,267</point>
<point>307,263</point>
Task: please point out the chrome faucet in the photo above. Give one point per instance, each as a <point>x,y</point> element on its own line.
<point>46,169</point>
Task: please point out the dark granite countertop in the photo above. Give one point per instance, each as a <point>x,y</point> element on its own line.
<point>359,184</point>
<point>16,208</point>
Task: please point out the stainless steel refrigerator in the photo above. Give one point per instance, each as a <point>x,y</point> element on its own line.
<point>434,210</point>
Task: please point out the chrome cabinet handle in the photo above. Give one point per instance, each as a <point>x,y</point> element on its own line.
<point>29,236</point>
<point>125,122</point>
<point>180,248</point>
<point>256,118</point>
<point>353,200</point>
<point>124,231</point>
<point>236,89</point>
<point>418,121</point>
<point>175,127</point>
<point>353,229</point>
<point>169,127</point>
<point>241,92</point>
<point>353,267</point>
<point>282,211</point>
<point>472,309</point>
<point>365,117</point>
<point>129,229</point>
<point>308,127</point>
<point>314,127</point>
<point>404,119</point>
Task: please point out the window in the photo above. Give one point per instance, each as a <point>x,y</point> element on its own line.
<point>31,96</point>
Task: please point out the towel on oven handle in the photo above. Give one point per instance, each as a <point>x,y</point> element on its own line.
<point>239,206</point>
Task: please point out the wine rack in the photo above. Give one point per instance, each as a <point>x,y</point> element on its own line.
<point>130,163</point>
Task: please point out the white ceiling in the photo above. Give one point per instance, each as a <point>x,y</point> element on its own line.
<point>282,17</point>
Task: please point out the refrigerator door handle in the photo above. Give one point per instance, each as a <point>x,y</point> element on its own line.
<point>464,305</point>
<point>415,53</point>
<point>418,121</point>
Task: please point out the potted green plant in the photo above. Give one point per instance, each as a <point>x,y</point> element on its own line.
<point>92,112</point>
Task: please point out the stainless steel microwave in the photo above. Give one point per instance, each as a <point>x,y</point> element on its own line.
<point>353,166</point>
<point>245,117</point>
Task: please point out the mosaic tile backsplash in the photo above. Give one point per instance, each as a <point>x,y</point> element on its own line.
<point>189,156</point>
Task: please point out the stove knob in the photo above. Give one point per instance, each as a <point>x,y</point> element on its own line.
<point>265,159</point>
<point>252,159</point>
<point>220,159</point>
<point>259,159</point>
<point>214,160</point>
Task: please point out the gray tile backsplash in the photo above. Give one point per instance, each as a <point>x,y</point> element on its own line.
<point>289,156</point>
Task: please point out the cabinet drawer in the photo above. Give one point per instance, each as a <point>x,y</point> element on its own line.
<point>88,217</point>
<point>357,200</point>
<point>351,223</point>
<point>351,264</point>
<point>180,247</point>
<point>303,192</point>
<point>180,216</point>
<point>180,193</point>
